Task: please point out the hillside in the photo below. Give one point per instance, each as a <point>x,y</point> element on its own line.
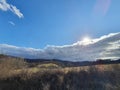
<point>63,63</point>
<point>66,63</point>
<point>17,74</point>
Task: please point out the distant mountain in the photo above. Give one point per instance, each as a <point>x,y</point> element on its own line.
<point>73,64</point>
<point>63,63</point>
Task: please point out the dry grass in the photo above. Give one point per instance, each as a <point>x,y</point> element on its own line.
<point>8,65</point>
<point>16,75</point>
<point>48,65</point>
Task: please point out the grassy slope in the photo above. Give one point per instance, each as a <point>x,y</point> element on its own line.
<point>15,74</point>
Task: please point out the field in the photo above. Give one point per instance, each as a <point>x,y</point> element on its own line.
<point>16,74</point>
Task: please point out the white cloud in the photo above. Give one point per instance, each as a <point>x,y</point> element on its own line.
<point>105,47</point>
<point>12,23</point>
<point>6,6</point>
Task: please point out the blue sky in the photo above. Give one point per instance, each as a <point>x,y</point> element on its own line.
<point>56,22</point>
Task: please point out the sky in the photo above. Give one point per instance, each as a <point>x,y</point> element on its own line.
<point>49,22</point>
<point>43,27</point>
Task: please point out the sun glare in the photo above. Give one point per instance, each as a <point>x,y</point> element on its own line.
<point>86,40</point>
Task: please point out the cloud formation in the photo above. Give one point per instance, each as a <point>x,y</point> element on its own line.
<point>6,6</point>
<point>12,23</point>
<point>105,47</point>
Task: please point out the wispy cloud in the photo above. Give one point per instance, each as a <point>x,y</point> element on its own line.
<point>105,47</point>
<point>6,6</point>
<point>102,6</point>
<point>12,23</point>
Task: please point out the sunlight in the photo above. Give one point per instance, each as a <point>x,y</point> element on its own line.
<point>86,40</point>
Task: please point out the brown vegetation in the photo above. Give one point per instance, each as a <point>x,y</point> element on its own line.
<point>16,75</point>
